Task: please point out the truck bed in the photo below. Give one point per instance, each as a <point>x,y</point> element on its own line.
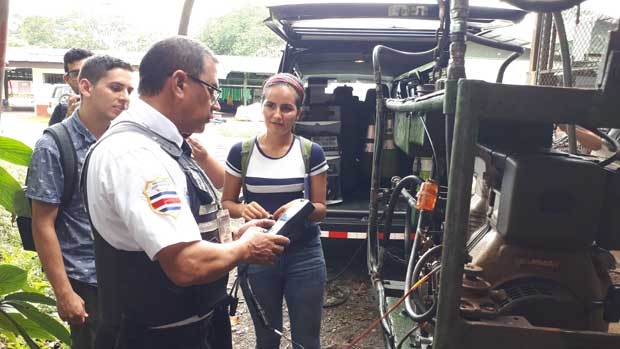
<point>352,216</point>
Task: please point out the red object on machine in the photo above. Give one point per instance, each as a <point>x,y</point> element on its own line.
<point>427,196</point>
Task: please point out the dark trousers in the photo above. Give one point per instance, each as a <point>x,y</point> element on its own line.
<point>211,333</point>
<point>83,336</point>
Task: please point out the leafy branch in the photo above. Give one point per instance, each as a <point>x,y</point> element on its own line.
<point>19,317</point>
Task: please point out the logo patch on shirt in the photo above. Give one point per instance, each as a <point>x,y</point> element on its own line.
<point>162,197</point>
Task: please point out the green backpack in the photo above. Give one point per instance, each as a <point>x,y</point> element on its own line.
<point>247,147</point>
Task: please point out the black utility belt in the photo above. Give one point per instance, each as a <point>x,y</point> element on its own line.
<point>211,236</point>
<point>184,323</point>
<point>131,335</point>
<point>196,329</point>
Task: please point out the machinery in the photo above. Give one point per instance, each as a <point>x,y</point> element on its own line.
<point>521,258</point>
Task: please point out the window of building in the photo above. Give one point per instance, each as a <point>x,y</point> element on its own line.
<point>50,78</point>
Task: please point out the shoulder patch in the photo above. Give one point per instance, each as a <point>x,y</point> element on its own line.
<point>162,197</point>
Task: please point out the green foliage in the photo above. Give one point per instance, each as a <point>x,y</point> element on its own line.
<point>12,278</point>
<point>31,297</point>
<point>241,33</point>
<point>15,151</point>
<point>19,317</point>
<point>38,31</point>
<point>73,30</point>
<point>11,193</point>
<point>11,252</point>
<point>20,321</point>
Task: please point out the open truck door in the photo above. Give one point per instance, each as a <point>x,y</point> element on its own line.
<point>330,45</point>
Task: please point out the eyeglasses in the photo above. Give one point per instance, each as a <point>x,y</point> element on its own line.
<point>213,90</point>
<point>73,73</point>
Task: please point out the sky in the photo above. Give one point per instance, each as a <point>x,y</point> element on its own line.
<point>163,15</point>
<point>159,16</point>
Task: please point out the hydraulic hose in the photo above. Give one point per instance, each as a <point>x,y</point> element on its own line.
<point>407,237</point>
<point>614,145</point>
<point>502,68</point>
<point>389,212</point>
<point>412,278</point>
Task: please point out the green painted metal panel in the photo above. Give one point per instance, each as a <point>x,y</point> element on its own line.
<point>408,132</point>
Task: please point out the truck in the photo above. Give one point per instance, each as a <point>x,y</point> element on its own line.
<point>330,46</point>
<point>504,241</point>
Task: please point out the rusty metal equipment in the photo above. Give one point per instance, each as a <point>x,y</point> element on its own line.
<point>533,269</point>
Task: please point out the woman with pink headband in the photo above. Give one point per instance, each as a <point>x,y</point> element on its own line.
<point>275,169</point>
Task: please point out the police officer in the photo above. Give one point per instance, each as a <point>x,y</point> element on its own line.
<point>160,239</point>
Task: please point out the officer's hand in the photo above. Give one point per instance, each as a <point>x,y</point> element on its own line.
<point>261,223</point>
<point>253,210</point>
<point>263,248</point>
<point>71,308</point>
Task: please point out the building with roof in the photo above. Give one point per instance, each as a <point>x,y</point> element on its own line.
<point>32,75</point>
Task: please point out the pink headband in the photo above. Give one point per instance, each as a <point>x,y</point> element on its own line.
<point>287,79</point>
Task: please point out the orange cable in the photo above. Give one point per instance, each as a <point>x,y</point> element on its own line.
<point>400,301</point>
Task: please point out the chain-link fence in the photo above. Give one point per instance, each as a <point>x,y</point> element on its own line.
<point>587,35</point>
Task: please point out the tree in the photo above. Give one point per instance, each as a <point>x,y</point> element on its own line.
<point>241,33</point>
<point>38,31</point>
<point>73,30</point>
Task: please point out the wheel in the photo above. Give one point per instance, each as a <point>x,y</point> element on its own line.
<point>64,99</point>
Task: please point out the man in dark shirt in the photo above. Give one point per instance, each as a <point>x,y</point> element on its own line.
<point>73,61</point>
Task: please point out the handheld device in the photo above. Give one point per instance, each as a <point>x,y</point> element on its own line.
<point>292,218</point>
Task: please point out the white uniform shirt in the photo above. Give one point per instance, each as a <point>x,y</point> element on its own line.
<point>137,193</point>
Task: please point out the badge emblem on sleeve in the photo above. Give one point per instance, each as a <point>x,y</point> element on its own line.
<point>162,197</point>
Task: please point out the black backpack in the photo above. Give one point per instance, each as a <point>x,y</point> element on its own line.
<point>68,162</point>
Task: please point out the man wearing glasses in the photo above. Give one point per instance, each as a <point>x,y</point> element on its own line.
<point>162,247</point>
<point>73,61</point>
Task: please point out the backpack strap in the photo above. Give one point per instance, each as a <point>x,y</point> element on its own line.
<point>306,149</point>
<point>247,147</point>
<point>68,162</point>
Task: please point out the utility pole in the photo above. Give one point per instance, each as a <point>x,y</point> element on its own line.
<point>4,18</point>
<point>185,15</point>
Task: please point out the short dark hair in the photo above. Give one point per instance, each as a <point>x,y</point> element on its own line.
<point>97,66</point>
<point>167,56</point>
<point>75,54</point>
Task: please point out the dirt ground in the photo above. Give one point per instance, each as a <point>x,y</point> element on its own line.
<point>341,323</point>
